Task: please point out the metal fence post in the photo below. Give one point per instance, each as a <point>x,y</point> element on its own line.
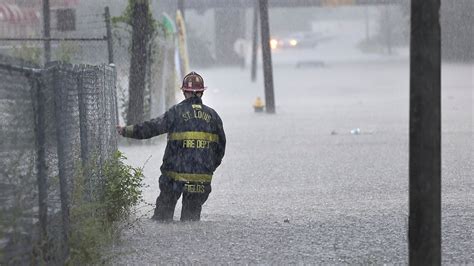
<point>110,46</point>
<point>59,101</point>
<point>115,106</point>
<point>102,118</point>
<point>84,131</point>
<point>47,31</point>
<point>40,143</point>
<point>82,119</point>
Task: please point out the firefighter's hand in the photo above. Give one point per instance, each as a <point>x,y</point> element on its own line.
<point>120,130</point>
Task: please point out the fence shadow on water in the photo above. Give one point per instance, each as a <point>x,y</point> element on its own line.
<point>54,121</point>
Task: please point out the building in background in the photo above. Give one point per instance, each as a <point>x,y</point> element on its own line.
<point>19,19</point>
<point>69,19</point>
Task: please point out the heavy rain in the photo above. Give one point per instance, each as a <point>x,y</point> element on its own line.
<point>273,131</point>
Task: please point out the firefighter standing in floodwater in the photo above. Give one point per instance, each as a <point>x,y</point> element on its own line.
<point>195,148</point>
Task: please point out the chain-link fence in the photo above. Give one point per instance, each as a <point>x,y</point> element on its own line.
<point>54,122</point>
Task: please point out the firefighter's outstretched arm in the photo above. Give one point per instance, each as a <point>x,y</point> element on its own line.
<point>147,129</point>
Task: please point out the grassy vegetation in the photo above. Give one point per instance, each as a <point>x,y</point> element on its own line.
<point>96,223</point>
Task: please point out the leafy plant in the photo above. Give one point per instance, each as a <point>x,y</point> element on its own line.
<point>95,223</point>
<point>126,17</point>
<point>122,189</point>
<point>90,232</point>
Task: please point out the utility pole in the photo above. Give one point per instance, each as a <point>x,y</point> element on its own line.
<point>136,87</point>
<point>47,31</point>
<point>254,42</point>
<point>267,57</point>
<point>110,47</point>
<point>424,227</point>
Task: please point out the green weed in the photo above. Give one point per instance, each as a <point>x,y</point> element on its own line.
<point>96,223</point>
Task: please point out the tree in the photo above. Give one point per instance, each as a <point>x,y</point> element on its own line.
<point>142,27</point>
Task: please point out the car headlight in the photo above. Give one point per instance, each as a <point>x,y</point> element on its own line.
<point>273,43</point>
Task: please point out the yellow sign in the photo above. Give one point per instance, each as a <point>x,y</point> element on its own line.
<point>182,43</point>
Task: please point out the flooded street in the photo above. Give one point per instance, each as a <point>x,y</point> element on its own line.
<point>297,186</point>
<point>295,132</point>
